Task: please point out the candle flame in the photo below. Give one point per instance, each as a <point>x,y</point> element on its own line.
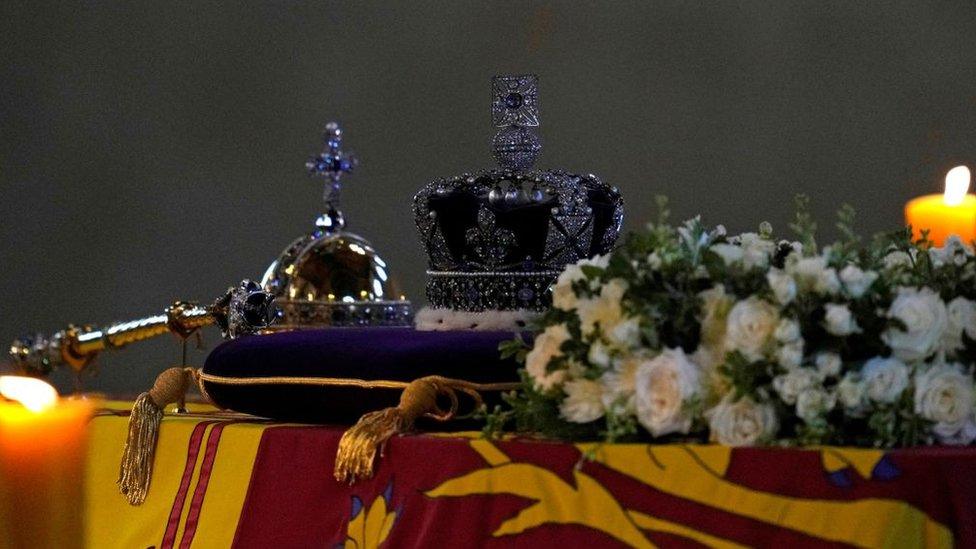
<point>956,185</point>
<point>36,395</point>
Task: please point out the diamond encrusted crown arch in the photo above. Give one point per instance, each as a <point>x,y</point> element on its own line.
<point>497,239</point>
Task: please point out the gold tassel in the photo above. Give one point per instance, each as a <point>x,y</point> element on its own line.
<point>359,445</point>
<point>135,472</point>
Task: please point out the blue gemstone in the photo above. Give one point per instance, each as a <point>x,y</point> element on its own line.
<point>513,100</point>
<point>526,294</point>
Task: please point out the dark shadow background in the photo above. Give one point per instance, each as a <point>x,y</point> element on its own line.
<point>154,151</point>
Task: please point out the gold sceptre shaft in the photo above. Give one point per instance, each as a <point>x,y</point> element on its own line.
<point>243,309</point>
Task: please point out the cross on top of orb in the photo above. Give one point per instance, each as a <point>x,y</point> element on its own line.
<point>332,163</point>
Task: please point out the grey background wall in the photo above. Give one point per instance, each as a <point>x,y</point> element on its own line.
<point>153,151</point>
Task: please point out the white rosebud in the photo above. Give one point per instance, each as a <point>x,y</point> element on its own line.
<point>782,285</point>
<point>788,330</point>
<point>953,252</point>
<point>814,403</point>
<point>884,379</point>
<point>715,306</point>
<point>583,402</point>
<point>897,260</point>
<point>741,423</point>
<point>813,274</point>
<point>664,385</point>
<point>828,282</point>
<point>626,334</point>
<point>828,364</point>
<point>654,261</point>
<point>730,253</point>
<point>944,395</point>
<point>839,320</point>
<point>924,315</point>
<point>563,295</point>
<point>960,318</point>
<point>618,383</point>
<point>603,310</point>
<point>857,282</point>
<point>852,393</point>
<point>599,354</point>
<point>794,382</point>
<point>544,349</point>
<point>750,327</point>
<point>756,250</point>
<point>790,356</point>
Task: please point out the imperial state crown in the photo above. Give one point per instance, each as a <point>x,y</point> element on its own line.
<point>497,239</point>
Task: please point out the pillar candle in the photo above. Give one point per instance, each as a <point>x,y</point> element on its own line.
<point>953,212</point>
<point>42,454</point>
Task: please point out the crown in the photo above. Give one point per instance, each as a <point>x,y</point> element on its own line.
<point>497,239</point>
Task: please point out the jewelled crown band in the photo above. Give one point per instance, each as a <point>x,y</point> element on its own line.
<point>497,239</point>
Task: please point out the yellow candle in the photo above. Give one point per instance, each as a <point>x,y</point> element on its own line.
<point>42,455</point>
<point>953,212</point>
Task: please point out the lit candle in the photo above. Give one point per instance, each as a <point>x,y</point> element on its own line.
<point>953,212</point>
<point>42,455</point>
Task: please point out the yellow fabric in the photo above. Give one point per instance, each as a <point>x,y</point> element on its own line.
<point>112,522</point>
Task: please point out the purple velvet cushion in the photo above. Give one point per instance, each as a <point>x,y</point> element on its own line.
<point>399,354</point>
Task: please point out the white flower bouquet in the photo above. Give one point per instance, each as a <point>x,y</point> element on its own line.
<point>686,333</point>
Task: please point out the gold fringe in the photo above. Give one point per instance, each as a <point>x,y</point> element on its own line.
<point>359,445</point>
<point>135,471</point>
<point>137,457</point>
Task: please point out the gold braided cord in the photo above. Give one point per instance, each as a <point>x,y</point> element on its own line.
<point>346,382</point>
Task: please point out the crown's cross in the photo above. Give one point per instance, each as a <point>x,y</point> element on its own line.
<point>332,163</point>
<point>515,110</point>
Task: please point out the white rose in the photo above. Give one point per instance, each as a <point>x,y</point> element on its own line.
<point>961,318</point>
<point>790,356</point>
<point>715,306</point>
<point>563,295</point>
<point>782,285</point>
<point>619,387</point>
<point>884,379</point>
<point>898,259</point>
<point>839,320</point>
<point>787,331</point>
<point>924,316</point>
<point>750,326</point>
<point>852,393</point>
<point>583,402</point>
<point>544,349</point>
<point>741,423</point>
<point>828,364</point>
<point>792,383</point>
<point>604,309</point>
<point>944,395</point>
<point>857,282</point>
<point>814,403</point>
<point>730,253</point>
<point>664,386</point>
